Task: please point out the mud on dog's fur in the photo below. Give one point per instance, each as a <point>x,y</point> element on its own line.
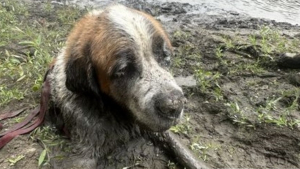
<point>110,83</point>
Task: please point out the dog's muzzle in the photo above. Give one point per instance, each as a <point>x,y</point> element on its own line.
<point>169,105</point>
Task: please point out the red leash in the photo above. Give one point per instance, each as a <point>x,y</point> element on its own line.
<point>11,114</point>
<point>40,112</point>
<point>23,123</point>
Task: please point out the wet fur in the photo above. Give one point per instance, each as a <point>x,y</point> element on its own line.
<point>94,103</point>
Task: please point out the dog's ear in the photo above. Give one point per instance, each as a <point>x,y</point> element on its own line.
<point>81,77</point>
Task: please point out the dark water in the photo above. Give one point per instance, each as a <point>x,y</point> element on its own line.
<point>278,10</point>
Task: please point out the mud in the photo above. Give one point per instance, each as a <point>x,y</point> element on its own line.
<point>231,119</point>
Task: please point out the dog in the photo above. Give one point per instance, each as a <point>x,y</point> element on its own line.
<point>110,83</point>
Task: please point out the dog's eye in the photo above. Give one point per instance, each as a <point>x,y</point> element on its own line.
<point>124,62</point>
<point>120,72</point>
<point>161,52</point>
<point>126,70</point>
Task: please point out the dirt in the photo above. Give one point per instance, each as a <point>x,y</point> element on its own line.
<point>227,121</point>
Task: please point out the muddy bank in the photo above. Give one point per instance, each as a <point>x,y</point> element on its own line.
<point>243,108</point>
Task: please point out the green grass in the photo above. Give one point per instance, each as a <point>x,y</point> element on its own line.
<point>31,36</point>
<point>171,165</point>
<point>206,79</point>
<point>238,115</point>
<point>271,112</point>
<point>202,149</point>
<point>183,127</point>
<point>12,161</point>
<point>246,67</point>
<point>267,40</point>
<point>186,51</point>
<point>262,46</point>
<point>50,140</point>
<point>28,43</point>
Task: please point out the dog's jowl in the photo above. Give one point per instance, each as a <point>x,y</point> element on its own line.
<point>110,83</point>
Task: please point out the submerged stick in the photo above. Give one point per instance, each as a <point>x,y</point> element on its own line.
<point>184,155</point>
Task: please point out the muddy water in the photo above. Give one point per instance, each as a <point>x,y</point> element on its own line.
<point>278,10</point>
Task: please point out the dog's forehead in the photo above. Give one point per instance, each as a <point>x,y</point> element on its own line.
<point>140,26</point>
<point>133,23</point>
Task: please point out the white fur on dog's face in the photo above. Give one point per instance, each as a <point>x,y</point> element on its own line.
<point>152,79</point>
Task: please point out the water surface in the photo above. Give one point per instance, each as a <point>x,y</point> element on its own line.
<point>278,10</point>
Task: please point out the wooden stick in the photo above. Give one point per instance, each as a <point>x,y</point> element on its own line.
<point>184,155</point>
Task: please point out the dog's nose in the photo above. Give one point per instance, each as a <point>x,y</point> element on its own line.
<point>170,104</point>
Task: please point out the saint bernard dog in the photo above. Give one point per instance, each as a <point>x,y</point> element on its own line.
<point>111,83</point>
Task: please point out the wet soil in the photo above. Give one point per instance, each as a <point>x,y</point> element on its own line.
<point>227,121</point>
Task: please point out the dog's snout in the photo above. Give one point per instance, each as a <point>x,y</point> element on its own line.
<point>170,104</point>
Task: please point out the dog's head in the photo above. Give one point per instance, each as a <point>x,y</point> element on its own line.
<point>124,53</point>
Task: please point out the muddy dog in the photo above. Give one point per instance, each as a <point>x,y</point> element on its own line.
<point>110,83</point>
